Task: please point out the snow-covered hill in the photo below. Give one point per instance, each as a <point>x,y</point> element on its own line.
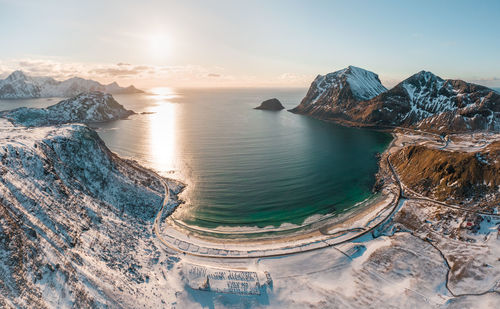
<point>75,223</point>
<point>331,93</point>
<point>18,85</point>
<point>424,101</point>
<point>85,108</point>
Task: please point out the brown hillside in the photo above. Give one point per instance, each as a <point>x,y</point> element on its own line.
<point>468,177</point>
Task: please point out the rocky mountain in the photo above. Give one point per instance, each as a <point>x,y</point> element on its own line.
<point>423,101</point>
<point>76,222</point>
<point>428,102</point>
<point>84,108</point>
<point>332,94</point>
<point>18,85</point>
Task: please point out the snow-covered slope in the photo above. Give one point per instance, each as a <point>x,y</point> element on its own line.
<point>75,223</point>
<point>85,107</point>
<point>18,85</point>
<point>364,84</point>
<point>331,93</point>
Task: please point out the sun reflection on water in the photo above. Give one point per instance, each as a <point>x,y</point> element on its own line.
<point>162,131</point>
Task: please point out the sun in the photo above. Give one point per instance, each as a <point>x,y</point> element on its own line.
<point>159,45</point>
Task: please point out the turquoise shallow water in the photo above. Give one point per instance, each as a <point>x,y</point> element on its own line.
<point>245,167</point>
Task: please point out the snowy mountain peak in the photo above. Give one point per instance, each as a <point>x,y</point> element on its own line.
<point>429,102</point>
<point>16,76</point>
<point>19,85</point>
<point>339,90</point>
<point>364,84</point>
<point>425,76</point>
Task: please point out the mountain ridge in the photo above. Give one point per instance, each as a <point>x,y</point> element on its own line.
<point>19,85</point>
<point>423,101</point>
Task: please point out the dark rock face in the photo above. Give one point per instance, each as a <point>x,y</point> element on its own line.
<point>271,105</point>
<point>85,107</point>
<point>423,101</point>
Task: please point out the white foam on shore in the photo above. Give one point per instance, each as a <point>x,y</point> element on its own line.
<point>286,226</point>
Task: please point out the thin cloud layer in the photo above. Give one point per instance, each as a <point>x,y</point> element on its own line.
<point>146,75</point>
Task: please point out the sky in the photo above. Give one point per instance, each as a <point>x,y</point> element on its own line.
<point>231,43</point>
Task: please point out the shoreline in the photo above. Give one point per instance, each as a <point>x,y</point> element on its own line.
<point>332,231</point>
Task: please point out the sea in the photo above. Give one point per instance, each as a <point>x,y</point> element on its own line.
<point>243,167</point>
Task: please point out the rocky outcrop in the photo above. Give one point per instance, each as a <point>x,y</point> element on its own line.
<point>84,108</point>
<point>331,95</point>
<point>271,105</point>
<point>423,101</point>
<point>18,85</point>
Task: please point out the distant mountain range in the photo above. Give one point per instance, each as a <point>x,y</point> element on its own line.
<point>423,101</point>
<point>18,85</point>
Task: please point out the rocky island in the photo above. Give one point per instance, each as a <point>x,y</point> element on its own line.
<point>271,105</point>
<point>84,108</point>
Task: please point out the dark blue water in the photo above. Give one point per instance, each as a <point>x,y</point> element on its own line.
<point>247,167</point>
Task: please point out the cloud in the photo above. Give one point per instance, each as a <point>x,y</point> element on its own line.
<point>296,78</point>
<point>143,75</point>
<point>56,69</point>
<point>488,82</point>
<point>114,72</point>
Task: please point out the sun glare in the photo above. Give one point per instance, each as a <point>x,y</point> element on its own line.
<point>159,45</point>
<point>163,131</point>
